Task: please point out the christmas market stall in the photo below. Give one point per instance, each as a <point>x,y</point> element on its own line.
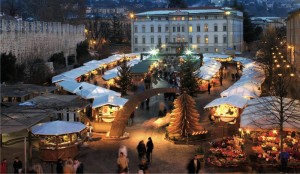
<point>226,109</point>
<point>219,57</point>
<point>259,121</point>
<point>59,139</point>
<point>208,73</point>
<point>106,107</point>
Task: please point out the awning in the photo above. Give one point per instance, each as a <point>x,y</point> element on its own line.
<point>108,100</point>
<point>233,100</point>
<point>57,128</point>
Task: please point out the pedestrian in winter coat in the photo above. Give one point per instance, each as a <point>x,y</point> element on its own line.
<point>3,167</point>
<point>208,87</point>
<point>17,165</point>
<point>141,148</point>
<point>194,165</point>
<point>150,148</point>
<point>59,166</point>
<point>122,163</point>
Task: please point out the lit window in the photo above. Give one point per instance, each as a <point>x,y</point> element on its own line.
<point>182,18</point>
<point>206,40</point>
<point>216,50</point>
<point>190,18</point>
<point>190,29</point>
<point>205,27</point>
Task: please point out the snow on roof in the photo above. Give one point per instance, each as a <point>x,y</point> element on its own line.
<point>108,100</point>
<point>234,100</point>
<point>166,12</point>
<point>69,86</point>
<point>209,69</point>
<point>57,128</point>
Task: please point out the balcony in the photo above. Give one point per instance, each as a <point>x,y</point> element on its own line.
<point>177,44</point>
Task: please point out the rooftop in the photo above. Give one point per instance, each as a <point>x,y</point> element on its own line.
<point>20,90</point>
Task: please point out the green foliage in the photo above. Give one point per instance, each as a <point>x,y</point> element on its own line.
<point>116,34</point>
<point>199,150</point>
<point>82,51</point>
<point>124,77</point>
<point>177,4</point>
<point>36,71</point>
<point>8,67</point>
<point>58,60</point>
<point>188,79</point>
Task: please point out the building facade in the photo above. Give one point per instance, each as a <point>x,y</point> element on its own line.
<point>293,39</point>
<point>202,30</point>
<point>38,39</point>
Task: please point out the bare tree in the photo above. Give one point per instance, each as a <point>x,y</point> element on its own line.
<point>280,110</point>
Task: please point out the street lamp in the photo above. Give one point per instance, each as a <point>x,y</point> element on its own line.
<point>188,52</point>
<point>154,52</point>
<point>227,13</point>
<point>131,15</point>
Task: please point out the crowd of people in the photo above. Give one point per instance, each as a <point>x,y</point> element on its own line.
<point>70,166</point>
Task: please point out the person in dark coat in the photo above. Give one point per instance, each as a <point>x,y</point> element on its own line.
<point>194,165</point>
<point>208,87</point>
<point>150,148</point>
<point>59,166</point>
<point>141,148</point>
<point>17,165</point>
<point>221,80</point>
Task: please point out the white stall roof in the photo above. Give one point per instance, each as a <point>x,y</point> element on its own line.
<point>209,69</point>
<point>241,91</point>
<point>74,73</point>
<point>108,100</point>
<point>213,55</point>
<point>100,91</point>
<point>233,100</point>
<point>113,73</point>
<point>90,67</point>
<point>69,86</point>
<point>57,128</point>
<point>261,114</point>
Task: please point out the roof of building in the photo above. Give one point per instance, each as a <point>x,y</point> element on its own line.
<point>188,10</point>
<point>293,13</point>
<point>20,90</point>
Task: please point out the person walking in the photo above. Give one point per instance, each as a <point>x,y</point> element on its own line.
<point>59,166</point>
<point>143,167</point>
<point>221,80</point>
<point>78,166</point>
<point>122,163</point>
<point>17,165</point>
<point>141,148</point>
<point>208,87</point>
<point>194,165</point>
<point>3,167</point>
<point>68,167</point>
<point>150,148</point>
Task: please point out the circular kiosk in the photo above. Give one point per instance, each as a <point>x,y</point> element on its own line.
<point>59,139</point>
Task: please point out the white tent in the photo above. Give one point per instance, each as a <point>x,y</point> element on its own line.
<point>61,77</point>
<point>241,91</point>
<point>69,86</point>
<point>84,87</point>
<point>88,68</point>
<point>74,73</point>
<point>99,91</point>
<point>262,113</point>
<point>233,100</point>
<point>108,100</point>
<point>209,69</point>
<point>57,128</point>
<point>113,73</point>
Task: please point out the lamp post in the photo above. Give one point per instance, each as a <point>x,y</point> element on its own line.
<point>227,13</point>
<point>131,15</point>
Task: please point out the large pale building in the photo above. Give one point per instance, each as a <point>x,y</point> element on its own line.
<point>203,30</point>
<point>38,39</point>
<point>293,39</point>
